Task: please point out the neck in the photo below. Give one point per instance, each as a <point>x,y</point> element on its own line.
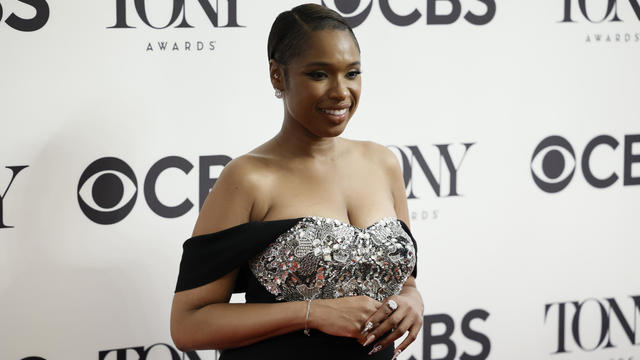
<point>296,141</point>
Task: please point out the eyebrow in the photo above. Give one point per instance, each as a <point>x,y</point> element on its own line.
<point>322,63</point>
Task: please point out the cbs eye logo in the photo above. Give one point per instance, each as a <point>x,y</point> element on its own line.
<point>553,164</point>
<point>107,190</point>
<point>354,11</point>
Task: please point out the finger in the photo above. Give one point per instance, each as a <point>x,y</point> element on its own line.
<point>383,311</point>
<point>366,327</point>
<point>411,337</point>
<point>399,330</point>
<point>390,322</point>
<point>372,307</point>
<point>371,324</point>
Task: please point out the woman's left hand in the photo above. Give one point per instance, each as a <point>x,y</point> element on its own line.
<point>407,316</point>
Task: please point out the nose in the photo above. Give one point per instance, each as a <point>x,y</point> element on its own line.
<point>339,90</point>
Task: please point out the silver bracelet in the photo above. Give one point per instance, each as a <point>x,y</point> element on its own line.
<point>306,319</point>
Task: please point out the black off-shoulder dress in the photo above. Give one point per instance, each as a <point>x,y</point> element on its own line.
<point>304,258</point>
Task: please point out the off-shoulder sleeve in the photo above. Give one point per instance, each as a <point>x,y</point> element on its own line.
<point>208,257</point>
<point>415,246</point>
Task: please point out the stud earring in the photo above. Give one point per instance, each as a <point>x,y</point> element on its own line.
<point>278,94</point>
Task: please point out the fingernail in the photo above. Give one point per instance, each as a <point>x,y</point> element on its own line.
<point>396,353</point>
<point>369,340</point>
<point>375,349</point>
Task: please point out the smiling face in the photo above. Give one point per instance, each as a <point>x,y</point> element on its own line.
<point>323,83</point>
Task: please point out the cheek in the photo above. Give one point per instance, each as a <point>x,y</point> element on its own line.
<point>300,104</point>
<point>300,101</point>
<point>304,96</point>
<point>356,87</point>
<point>356,95</point>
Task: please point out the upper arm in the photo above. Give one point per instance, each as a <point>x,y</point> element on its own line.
<point>228,204</point>
<point>231,199</point>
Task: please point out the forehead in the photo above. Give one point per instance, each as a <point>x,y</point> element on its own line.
<point>331,46</point>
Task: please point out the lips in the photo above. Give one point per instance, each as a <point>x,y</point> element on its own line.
<point>335,109</point>
<point>335,112</point>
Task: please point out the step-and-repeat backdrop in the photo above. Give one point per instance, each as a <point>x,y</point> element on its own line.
<point>516,123</point>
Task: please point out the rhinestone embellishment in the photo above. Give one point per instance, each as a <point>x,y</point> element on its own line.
<point>323,258</point>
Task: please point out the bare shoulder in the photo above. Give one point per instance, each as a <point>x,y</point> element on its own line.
<point>243,172</point>
<point>379,154</point>
<point>234,195</point>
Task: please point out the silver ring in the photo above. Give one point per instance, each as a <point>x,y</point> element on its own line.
<point>367,327</point>
<point>392,305</point>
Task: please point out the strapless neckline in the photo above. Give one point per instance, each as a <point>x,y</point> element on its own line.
<point>338,221</point>
<point>323,258</point>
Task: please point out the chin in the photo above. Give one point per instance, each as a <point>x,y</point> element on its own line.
<point>333,131</point>
<point>335,134</point>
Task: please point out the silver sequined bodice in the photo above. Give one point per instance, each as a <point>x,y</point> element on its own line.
<point>322,258</point>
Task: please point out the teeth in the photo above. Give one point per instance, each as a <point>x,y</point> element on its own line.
<point>335,112</point>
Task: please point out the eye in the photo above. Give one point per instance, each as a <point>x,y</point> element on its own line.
<point>553,164</point>
<point>107,190</point>
<point>316,75</point>
<point>353,74</point>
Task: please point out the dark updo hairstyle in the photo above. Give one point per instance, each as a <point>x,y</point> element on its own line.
<point>291,28</point>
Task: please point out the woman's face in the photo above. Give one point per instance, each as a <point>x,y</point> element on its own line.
<point>324,83</point>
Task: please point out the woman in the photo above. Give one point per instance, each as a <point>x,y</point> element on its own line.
<point>310,225</point>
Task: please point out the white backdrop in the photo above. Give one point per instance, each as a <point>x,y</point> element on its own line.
<point>496,253</point>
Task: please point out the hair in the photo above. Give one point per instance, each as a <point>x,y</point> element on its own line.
<point>292,28</point>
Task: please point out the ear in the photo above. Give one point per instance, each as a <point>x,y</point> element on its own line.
<point>276,75</point>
